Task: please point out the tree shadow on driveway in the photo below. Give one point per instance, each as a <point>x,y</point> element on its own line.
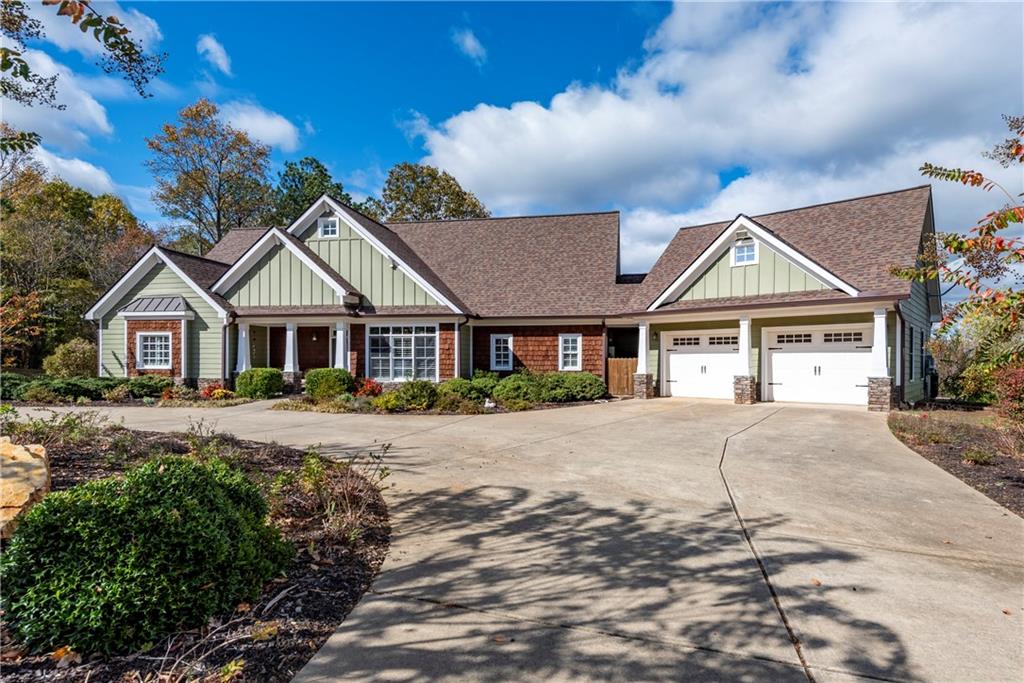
<point>501,583</point>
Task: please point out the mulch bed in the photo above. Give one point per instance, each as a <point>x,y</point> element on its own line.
<point>1002,480</point>
<point>272,637</point>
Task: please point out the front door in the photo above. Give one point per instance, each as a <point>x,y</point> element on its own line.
<point>314,347</point>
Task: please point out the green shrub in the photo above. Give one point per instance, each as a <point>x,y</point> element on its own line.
<point>114,565</point>
<point>520,387</point>
<point>260,383</point>
<point>76,358</point>
<point>453,403</point>
<point>561,387</point>
<point>121,392</point>
<point>417,394</point>
<point>485,381</point>
<point>39,391</point>
<point>387,402</point>
<point>977,384</point>
<point>978,456</point>
<point>323,383</point>
<point>11,385</point>
<point>516,405</point>
<point>462,388</point>
<point>149,386</point>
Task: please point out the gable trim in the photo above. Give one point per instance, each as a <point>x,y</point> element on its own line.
<point>723,242</point>
<point>135,275</point>
<point>327,202</point>
<point>258,250</point>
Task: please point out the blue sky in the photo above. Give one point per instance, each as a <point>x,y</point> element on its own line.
<point>673,114</point>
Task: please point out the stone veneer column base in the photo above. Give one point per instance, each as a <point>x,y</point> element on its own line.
<point>643,385</point>
<point>744,389</point>
<point>880,394</point>
<point>292,382</point>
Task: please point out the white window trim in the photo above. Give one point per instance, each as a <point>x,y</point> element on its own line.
<point>401,323</point>
<point>562,337</point>
<point>511,352</point>
<point>327,220</point>
<point>138,351</point>
<point>745,242</point>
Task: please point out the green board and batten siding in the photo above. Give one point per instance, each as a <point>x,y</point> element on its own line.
<point>916,317</point>
<point>369,271</point>
<point>772,274</point>
<point>203,332</point>
<point>280,278</point>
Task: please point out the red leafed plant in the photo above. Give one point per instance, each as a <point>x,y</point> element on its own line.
<point>984,262</point>
<point>206,392</point>
<point>368,387</point>
<point>1010,393</point>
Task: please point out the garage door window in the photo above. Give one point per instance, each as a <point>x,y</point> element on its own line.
<point>723,341</point>
<point>843,337</point>
<point>793,338</point>
<point>685,341</point>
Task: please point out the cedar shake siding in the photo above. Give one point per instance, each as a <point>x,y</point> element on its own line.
<point>535,347</point>
<point>445,351</point>
<point>357,350</point>
<point>172,326</point>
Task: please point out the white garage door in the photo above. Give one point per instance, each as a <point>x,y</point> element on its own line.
<point>818,365</point>
<point>701,364</point>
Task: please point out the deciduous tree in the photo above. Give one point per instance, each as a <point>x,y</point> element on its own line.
<point>415,192</point>
<point>209,175</point>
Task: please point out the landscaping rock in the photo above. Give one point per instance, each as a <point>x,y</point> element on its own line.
<point>24,480</point>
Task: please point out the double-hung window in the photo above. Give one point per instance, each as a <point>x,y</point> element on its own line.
<point>153,351</point>
<point>501,352</point>
<point>570,352</point>
<point>328,227</point>
<point>401,352</point>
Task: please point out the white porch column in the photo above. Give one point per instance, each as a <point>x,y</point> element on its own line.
<point>291,349</point>
<point>644,339</point>
<point>242,362</point>
<point>744,353</point>
<point>341,345</point>
<point>879,341</point>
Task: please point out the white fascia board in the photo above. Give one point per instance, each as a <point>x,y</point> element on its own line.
<point>718,247</point>
<point>326,202</point>
<point>136,273</point>
<point>258,250</point>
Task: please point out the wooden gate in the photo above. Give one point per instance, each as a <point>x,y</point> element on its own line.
<point>620,376</point>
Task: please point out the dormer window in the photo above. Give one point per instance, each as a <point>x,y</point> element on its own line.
<point>744,253</point>
<point>328,227</point>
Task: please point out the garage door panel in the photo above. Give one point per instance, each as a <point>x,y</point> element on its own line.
<point>701,364</point>
<point>803,367</point>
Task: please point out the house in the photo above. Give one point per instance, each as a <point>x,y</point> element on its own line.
<point>796,305</point>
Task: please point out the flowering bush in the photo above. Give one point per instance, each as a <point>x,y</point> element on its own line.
<point>207,391</point>
<point>221,394</point>
<point>368,387</point>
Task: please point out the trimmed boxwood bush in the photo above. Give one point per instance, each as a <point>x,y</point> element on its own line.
<point>260,383</point>
<point>462,388</point>
<point>416,395</point>
<point>520,387</point>
<point>114,565</point>
<point>149,385</point>
<point>76,358</point>
<point>323,383</point>
<point>562,387</point>
<point>485,381</point>
<point>73,388</point>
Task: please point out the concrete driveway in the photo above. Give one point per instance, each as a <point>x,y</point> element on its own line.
<point>666,540</point>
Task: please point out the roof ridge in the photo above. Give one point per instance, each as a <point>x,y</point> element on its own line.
<point>808,206</point>
<point>185,253</point>
<point>508,218</point>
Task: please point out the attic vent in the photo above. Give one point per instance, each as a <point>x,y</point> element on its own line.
<point>742,234</point>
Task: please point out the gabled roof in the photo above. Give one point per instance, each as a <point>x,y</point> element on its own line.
<point>314,257</point>
<point>856,239</point>
<point>560,265</point>
<point>235,243</point>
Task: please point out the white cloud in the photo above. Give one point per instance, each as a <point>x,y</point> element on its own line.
<point>262,124</point>
<point>61,32</point>
<point>69,128</point>
<point>76,172</point>
<point>797,93</point>
<point>469,45</point>
<point>210,49</point>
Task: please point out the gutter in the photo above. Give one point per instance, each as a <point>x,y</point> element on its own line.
<point>758,305</point>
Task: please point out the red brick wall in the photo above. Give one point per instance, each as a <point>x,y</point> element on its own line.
<point>172,326</point>
<point>536,347</point>
<point>357,350</point>
<point>446,351</point>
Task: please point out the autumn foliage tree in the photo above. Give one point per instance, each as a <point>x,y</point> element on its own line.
<point>987,260</point>
<point>209,176</point>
